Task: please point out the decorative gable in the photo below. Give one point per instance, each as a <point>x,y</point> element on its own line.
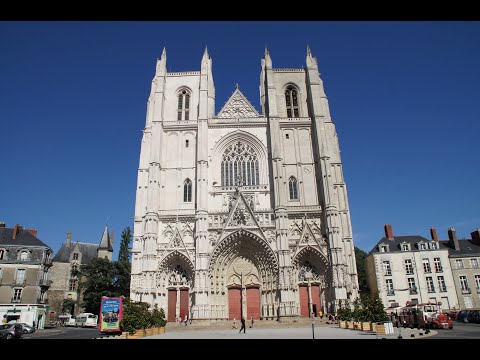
<point>237,107</point>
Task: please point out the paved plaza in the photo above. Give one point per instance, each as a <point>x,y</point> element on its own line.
<point>304,332</point>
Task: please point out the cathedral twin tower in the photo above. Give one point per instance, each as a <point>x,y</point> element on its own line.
<point>240,213</point>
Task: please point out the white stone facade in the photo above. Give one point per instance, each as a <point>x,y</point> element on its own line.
<point>411,268</point>
<point>241,200</point>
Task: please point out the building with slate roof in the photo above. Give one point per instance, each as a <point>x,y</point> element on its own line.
<point>25,263</point>
<point>411,269</point>
<point>464,258</point>
<point>66,264</point>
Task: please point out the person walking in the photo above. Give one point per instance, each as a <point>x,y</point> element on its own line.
<point>234,323</point>
<point>243,326</point>
<point>251,326</point>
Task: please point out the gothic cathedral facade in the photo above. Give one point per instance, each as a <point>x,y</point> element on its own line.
<point>240,213</point>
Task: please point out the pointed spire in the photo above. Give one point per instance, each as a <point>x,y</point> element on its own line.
<point>162,62</point>
<point>205,54</point>
<point>268,59</point>
<point>311,61</point>
<point>105,242</point>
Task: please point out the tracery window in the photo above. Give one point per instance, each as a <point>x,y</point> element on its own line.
<point>291,101</point>
<point>187,191</point>
<point>183,112</point>
<point>292,187</point>
<point>239,165</point>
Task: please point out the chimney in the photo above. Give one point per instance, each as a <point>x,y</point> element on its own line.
<point>2,224</point>
<point>388,231</point>
<point>34,232</point>
<point>475,237</point>
<point>69,239</point>
<point>16,230</point>
<point>453,242</point>
<point>433,234</point>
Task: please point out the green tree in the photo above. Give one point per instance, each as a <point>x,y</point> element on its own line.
<point>360,256</point>
<point>123,265</point>
<point>376,309</point>
<point>123,254</point>
<point>68,306</point>
<point>99,275</point>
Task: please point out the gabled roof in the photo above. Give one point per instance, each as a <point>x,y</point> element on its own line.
<point>23,238</point>
<point>88,251</point>
<point>237,107</point>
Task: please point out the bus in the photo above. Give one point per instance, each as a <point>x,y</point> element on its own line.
<point>67,320</point>
<point>86,320</point>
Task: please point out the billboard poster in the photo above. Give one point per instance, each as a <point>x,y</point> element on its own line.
<point>110,314</point>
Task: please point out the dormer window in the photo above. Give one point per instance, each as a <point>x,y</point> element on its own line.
<point>383,248</point>
<point>24,255</point>
<point>405,247</point>
<point>2,254</point>
<point>433,246</point>
<point>422,246</point>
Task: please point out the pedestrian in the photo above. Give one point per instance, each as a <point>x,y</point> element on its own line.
<point>243,326</point>
<point>234,323</point>
<point>251,326</point>
<point>186,319</point>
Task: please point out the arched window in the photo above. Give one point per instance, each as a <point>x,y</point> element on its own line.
<point>292,187</point>
<point>239,165</point>
<point>187,191</point>
<point>291,100</point>
<point>183,112</point>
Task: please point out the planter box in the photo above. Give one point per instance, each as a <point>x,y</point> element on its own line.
<point>373,326</point>
<point>357,325</point>
<point>155,331</point>
<point>349,325</point>
<point>161,330</point>
<point>366,326</point>
<point>138,334</point>
<point>149,332</point>
<point>343,324</point>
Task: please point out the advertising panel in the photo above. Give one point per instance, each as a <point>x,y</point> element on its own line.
<point>110,314</point>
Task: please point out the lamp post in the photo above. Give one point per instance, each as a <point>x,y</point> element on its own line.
<point>308,277</point>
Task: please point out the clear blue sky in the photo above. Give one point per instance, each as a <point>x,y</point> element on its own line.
<point>404,96</point>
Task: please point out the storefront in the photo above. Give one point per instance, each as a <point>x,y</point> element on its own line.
<point>24,313</point>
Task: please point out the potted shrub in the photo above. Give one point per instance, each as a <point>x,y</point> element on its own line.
<point>357,314</point>
<point>136,318</point>
<point>377,313</point>
<point>158,320</point>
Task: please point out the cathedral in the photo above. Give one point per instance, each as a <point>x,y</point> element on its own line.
<point>241,213</point>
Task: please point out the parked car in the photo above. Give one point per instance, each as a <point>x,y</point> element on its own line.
<point>27,329</point>
<point>469,316</point>
<point>11,331</point>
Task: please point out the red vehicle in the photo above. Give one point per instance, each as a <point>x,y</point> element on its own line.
<point>424,315</point>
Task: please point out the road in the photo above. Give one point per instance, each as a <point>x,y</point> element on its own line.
<point>64,333</point>
<point>460,331</point>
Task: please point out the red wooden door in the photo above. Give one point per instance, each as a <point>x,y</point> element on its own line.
<point>316,298</point>
<point>303,290</point>
<point>253,303</point>
<point>234,304</point>
<point>172,305</point>
<point>183,303</point>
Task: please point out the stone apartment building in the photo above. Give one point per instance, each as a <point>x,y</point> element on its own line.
<point>465,264</point>
<point>411,269</point>
<point>25,263</point>
<point>66,264</point>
